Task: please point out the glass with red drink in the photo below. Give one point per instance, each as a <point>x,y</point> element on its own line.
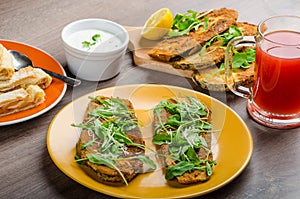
<point>274,97</point>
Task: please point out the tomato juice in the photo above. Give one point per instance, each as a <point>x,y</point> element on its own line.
<point>276,87</point>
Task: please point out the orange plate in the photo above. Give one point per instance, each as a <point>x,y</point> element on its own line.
<point>54,92</point>
<point>232,146</point>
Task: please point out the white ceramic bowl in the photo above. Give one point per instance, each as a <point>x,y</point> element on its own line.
<point>100,61</point>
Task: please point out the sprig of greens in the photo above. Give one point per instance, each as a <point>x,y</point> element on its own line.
<point>242,59</point>
<point>185,166</point>
<point>182,132</point>
<point>107,125</point>
<point>88,44</point>
<point>184,23</point>
<point>233,32</point>
<point>239,59</point>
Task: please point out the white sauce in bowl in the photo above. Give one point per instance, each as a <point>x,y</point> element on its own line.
<point>106,41</point>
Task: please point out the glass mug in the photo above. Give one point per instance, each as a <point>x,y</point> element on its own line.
<point>274,97</point>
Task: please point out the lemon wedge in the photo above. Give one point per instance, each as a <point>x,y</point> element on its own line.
<point>158,24</point>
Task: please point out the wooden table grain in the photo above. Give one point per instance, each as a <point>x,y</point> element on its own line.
<point>26,169</point>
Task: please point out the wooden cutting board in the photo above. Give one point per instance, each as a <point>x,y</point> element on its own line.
<point>140,47</point>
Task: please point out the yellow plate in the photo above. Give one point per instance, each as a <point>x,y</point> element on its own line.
<point>232,146</point>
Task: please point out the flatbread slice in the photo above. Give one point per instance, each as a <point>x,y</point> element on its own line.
<point>21,99</point>
<point>6,64</point>
<point>42,79</point>
<point>24,77</point>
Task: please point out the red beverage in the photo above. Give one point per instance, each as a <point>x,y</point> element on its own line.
<point>276,86</point>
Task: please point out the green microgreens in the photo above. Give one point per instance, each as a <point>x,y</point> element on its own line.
<point>88,44</point>
<point>107,125</point>
<point>182,132</point>
<point>184,23</point>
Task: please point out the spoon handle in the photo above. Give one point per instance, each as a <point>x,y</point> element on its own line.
<point>69,80</point>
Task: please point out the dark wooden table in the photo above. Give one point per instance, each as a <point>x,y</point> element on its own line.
<point>26,169</point>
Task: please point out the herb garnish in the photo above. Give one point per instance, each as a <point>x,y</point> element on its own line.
<point>184,23</point>
<point>107,125</point>
<point>88,44</point>
<point>182,132</point>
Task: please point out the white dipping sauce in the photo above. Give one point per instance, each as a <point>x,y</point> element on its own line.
<point>106,41</point>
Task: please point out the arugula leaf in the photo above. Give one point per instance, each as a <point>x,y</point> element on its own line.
<point>232,33</point>
<point>202,141</point>
<point>187,166</point>
<point>178,169</point>
<point>121,137</point>
<point>225,38</point>
<point>192,155</point>
<point>239,60</point>
<point>89,143</point>
<point>174,120</point>
<point>251,53</point>
<point>184,23</point>
<point>242,59</point>
<point>146,160</point>
<point>205,23</point>
<point>107,162</point>
<point>162,138</point>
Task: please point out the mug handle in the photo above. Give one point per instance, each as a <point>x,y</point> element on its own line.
<point>236,43</point>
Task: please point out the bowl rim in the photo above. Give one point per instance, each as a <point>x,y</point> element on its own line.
<point>95,53</point>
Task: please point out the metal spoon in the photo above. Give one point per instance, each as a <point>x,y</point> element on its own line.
<point>21,61</point>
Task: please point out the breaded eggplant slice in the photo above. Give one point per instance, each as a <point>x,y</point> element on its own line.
<point>211,56</point>
<point>171,49</point>
<point>214,80</point>
<point>188,177</point>
<point>214,54</point>
<point>130,168</point>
